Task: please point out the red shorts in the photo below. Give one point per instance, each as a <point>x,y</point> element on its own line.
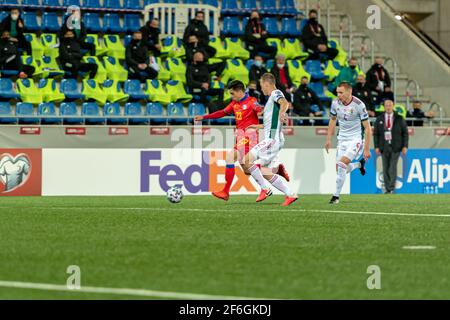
<point>245,142</point>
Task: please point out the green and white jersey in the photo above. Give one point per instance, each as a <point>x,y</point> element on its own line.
<point>350,117</point>
<point>272,123</point>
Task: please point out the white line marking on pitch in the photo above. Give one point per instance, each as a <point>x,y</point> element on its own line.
<point>121,291</point>
<point>419,247</point>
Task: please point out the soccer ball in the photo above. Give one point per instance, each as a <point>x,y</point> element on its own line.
<point>175,194</point>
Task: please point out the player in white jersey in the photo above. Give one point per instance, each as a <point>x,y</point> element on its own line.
<point>353,125</point>
<point>266,152</point>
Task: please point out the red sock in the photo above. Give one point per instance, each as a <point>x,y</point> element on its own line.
<point>229,176</point>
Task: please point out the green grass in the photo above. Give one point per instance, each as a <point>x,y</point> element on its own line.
<point>238,248</point>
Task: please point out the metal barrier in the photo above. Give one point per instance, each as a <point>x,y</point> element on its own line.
<point>395,67</point>
<point>408,93</point>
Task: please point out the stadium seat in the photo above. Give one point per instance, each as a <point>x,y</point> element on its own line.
<point>332,70</point>
<point>94,4</point>
<point>303,23</point>
<point>99,47</point>
<point>112,4</point>
<point>177,69</point>
<point>276,42</point>
<point>134,89</point>
<point>247,6</point>
<point>69,87</point>
<point>68,110</point>
<point>132,22</point>
<point>68,3</point>
<point>314,68</point>
<point>229,7</point>
<point>163,73</point>
<point>91,109</point>
<point>30,21</point>
<point>112,111</point>
<point>177,112</point>
<point>173,47</point>
<point>50,22</point>
<point>214,3</point>
<point>135,109</point>
<point>155,109</point>
<point>147,2</point>
<point>50,43</point>
<point>30,61</point>
<point>269,7</point>
<point>156,92</point>
<point>31,4</point>
<point>50,91</point>
<point>49,64</point>
<point>234,47</point>
<point>91,89</point>
<point>177,92</point>
<point>36,46</point>
<point>319,89</point>
<point>271,24</point>
<point>24,109</point>
<point>101,75</point>
<point>114,92</point>
<point>46,111</point>
<point>28,91</point>
<point>92,22</point>
<point>341,58</point>
<point>51,3</point>
<point>232,27</point>
<point>7,90</point>
<point>289,27</point>
<point>216,43</point>
<point>127,40</point>
<point>3,15</point>
<point>114,46</point>
<point>6,114</point>
<point>111,22</point>
<point>287,7</point>
<point>195,109</point>
<point>235,70</point>
<point>297,72</point>
<point>293,49</point>
<point>132,4</point>
<point>114,70</point>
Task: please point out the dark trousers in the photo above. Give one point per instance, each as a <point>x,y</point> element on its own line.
<point>261,47</point>
<point>205,93</point>
<point>330,54</point>
<point>17,65</point>
<point>143,74</point>
<point>88,46</point>
<point>390,160</point>
<point>83,67</point>
<point>25,45</point>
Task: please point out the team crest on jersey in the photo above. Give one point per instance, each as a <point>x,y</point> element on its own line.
<point>244,107</point>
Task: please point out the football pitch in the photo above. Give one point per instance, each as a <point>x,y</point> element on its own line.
<point>148,248</point>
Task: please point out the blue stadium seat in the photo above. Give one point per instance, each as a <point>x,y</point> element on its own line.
<point>46,111</point>
<point>112,4</point>
<point>271,26</point>
<point>10,2</point>
<point>111,22</point>
<point>69,87</point>
<point>229,7</point>
<point>247,6</point>
<point>68,110</point>
<point>196,109</point>
<point>133,88</point>
<point>50,22</point>
<point>51,3</point>
<point>132,22</point>
<point>191,1</point>
<point>135,109</point>
<point>92,22</point>
<point>303,23</point>
<point>287,7</point>
<point>26,109</point>
<point>155,109</point>
<point>7,89</point>
<point>213,3</point>
<point>147,2</point>
<point>31,4</point>
<point>9,73</point>
<point>6,114</point>
<point>231,27</point>
<point>132,4</point>
<point>91,109</point>
<point>127,40</point>
<point>314,68</point>
<point>269,7</point>
<point>30,21</point>
<point>95,4</point>
<point>111,111</point>
<point>68,3</point>
<point>289,27</point>
<point>3,15</point>
<point>319,89</point>
<point>176,110</point>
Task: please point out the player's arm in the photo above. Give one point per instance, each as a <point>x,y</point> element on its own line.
<point>331,128</point>
<point>284,106</point>
<point>368,132</point>
<point>216,115</point>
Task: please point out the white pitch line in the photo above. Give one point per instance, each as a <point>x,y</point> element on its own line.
<point>419,247</point>
<point>121,291</point>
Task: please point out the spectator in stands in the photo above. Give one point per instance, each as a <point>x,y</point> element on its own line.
<point>138,59</point>
<point>347,74</point>
<point>306,102</point>
<point>254,92</point>
<point>255,37</point>
<point>70,56</point>
<point>73,22</point>
<point>9,56</point>
<point>15,26</point>
<point>281,72</point>
<point>256,71</point>
<point>198,28</point>
<point>193,46</point>
<point>150,35</point>
<point>362,91</point>
<point>315,39</point>
<point>198,76</point>
<point>418,113</point>
<point>379,81</point>
<point>390,138</point>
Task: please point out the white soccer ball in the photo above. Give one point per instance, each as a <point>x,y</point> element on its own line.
<point>175,194</point>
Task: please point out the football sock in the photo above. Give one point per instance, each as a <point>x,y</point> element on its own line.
<point>229,176</point>
<point>340,179</point>
<point>279,183</point>
<point>256,173</point>
<point>353,166</point>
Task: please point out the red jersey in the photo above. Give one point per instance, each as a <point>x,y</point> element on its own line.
<point>245,112</point>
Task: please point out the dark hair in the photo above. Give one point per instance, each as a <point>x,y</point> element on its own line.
<point>313,11</point>
<point>236,85</point>
<point>345,85</point>
<point>305,77</point>
<point>199,12</point>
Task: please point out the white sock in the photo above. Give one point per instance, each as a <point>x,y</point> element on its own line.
<point>279,183</point>
<point>340,178</point>
<point>353,166</point>
<point>258,176</point>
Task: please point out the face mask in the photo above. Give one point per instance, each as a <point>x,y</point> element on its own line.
<point>304,85</point>
<point>353,67</point>
<point>313,20</point>
<point>14,17</point>
<point>280,65</point>
<point>379,66</point>
<point>258,63</point>
<point>255,19</point>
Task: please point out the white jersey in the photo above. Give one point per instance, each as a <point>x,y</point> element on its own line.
<point>272,123</point>
<point>350,117</point>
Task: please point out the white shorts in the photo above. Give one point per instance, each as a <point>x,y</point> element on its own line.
<point>351,149</point>
<point>266,153</point>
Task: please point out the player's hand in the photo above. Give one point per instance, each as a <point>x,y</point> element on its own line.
<point>366,155</point>
<point>284,118</point>
<point>377,151</point>
<point>13,39</point>
<point>404,151</point>
<point>205,85</point>
<point>328,146</point>
<point>198,118</point>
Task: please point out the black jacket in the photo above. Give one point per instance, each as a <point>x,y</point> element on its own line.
<point>276,72</point>
<point>191,50</point>
<point>136,53</point>
<point>376,74</point>
<point>253,27</point>
<point>196,74</point>
<point>364,94</point>
<point>199,29</point>
<point>8,50</point>
<point>150,36</point>
<point>304,98</point>
<point>70,52</point>
<point>313,35</point>
<point>6,25</point>
<point>256,73</point>
<point>64,29</point>
<point>399,130</point>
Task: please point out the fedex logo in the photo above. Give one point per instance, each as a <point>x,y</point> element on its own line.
<point>158,172</point>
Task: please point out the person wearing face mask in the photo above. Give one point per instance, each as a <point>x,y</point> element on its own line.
<point>255,74</point>
<point>282,77</point>
<point>255,37</point>
<point>306,102</point>
<point>70,56</point>
<point>194,46</point>
<point>74,22</point>
<point>362,91</point>
<point>198,76</point>
<point>198,28</point>
<point>315,39</point>
<point>347,74</point>
<point>150,36</point>
<point>15,26</point>
<point>137,58</point>
<point>379,81</point>
<point>9,57</point>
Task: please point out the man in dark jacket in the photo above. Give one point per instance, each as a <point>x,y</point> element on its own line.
<point>198,76</point>
<point>70,56</point>
<point>137,59</point>
<point>304,101</point>
<point>193,46</point>
<point>282,77</point>
<point>9,56</point>
<point>150,36</point>
<point>362,91</point>
<point>15,26</point>
<point>390,138</point>
<point>73,22</point>
<point>256,35</point>
<point>198,28</point>
<point>315,39</point>
<point>379,81</point>
<point>418,113</point>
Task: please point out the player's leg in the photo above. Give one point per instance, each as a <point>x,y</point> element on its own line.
<point>346,154</point>
<point>249,164</point>
<point>230,170</point>
<point>358,148</point>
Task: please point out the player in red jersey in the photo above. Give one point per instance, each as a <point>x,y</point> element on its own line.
<point>246,111</point>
